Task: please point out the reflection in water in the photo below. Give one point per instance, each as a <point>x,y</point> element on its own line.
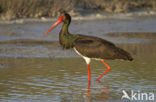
<point>102,95</point>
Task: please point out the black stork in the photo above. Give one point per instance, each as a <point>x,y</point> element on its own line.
<point>88,47</point>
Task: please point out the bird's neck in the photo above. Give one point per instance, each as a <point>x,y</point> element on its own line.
<point>65,38</point>
<point>64,29</point>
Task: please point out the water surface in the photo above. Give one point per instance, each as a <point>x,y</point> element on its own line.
<point>34,67</point>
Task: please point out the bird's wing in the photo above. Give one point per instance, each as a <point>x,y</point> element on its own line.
<point>94,47</point>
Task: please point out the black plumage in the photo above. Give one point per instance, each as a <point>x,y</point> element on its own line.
<point>89,47</point>
<point>98,48</point>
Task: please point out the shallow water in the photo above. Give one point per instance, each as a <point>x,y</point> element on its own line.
<point>65,79</point>
<point>34,67</point>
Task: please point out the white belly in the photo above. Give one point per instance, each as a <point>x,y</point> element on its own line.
<point>86,58</point>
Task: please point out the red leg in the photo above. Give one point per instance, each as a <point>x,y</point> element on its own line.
<point>88,89</point>
<point>89,74</point>
<point>108,68</point>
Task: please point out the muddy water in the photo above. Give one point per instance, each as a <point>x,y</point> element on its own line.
<point>33,66</point>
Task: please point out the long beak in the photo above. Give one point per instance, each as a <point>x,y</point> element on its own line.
<point>54,25</point>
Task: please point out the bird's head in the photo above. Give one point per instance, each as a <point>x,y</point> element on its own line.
<point>65,18</point>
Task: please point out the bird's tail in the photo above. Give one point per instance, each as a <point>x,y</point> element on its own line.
<point>122,54</point>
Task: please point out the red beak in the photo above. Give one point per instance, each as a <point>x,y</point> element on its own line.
<point>55,24</point>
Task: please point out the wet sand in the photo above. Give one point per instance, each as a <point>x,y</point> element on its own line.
<point>34,67</point>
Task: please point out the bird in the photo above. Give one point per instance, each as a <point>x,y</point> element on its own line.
<point>88,47</point>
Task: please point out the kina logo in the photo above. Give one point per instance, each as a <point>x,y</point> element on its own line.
<point>138,96</point>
